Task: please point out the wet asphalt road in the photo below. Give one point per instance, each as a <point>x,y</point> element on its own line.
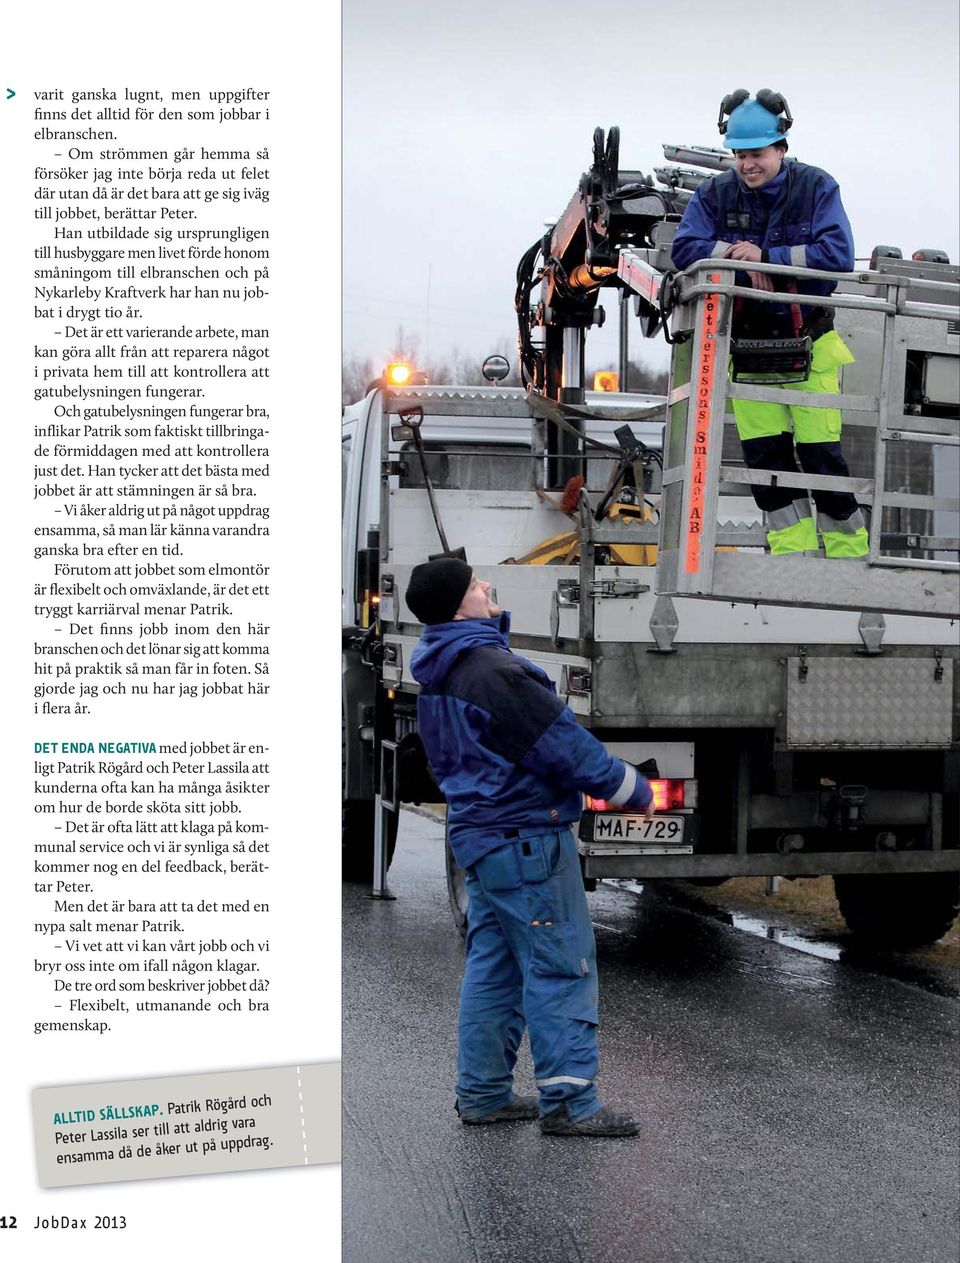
<point>793,1109</point>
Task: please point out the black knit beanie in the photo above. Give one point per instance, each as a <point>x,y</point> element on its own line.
<point>437,587</point>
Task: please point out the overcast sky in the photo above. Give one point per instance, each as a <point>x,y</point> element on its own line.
<point>466,127</point>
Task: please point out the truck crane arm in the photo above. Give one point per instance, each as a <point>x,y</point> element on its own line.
<point>611,210</point>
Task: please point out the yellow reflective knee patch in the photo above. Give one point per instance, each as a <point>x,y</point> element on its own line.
<point>843,544</point>
<point>801,537</point>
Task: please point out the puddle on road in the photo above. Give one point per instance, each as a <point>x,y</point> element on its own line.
<point>891,965</point>
<point>750,925</point>
<point>826,951</point>
<point>625,883</point>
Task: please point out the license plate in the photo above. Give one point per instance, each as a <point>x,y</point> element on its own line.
<point>619,827</point>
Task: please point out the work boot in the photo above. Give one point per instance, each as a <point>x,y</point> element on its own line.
<point>518,1110</point>
<point>603,1123</point>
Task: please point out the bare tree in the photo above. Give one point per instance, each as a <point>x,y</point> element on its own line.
<point>355,377</point>
<point>406,346</point>
<point>467,366</point>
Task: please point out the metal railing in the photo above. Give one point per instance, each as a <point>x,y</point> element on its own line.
<point>704,296</point>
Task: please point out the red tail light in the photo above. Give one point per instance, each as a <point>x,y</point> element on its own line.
<point>668,795</point>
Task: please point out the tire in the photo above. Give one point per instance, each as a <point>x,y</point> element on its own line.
<point>456,891</point>
<point>357,822</point>
<point>896,910</point>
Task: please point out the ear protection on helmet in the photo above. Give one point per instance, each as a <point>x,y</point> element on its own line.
<point>728,105</point>
<point>776,104</point>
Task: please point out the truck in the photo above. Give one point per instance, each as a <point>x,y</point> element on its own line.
<point>798,718</point>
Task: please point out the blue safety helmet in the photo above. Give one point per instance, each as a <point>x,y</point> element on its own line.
<point>754,123</point>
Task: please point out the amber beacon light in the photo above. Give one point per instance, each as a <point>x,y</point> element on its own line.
<point>398,373</point>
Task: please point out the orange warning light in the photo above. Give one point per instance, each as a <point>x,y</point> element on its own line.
<point>398,373</point>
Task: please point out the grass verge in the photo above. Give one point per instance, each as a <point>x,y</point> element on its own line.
<point>809,904</point>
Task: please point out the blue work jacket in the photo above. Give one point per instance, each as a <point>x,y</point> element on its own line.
<point>797,219</point>
<point>504,749</point>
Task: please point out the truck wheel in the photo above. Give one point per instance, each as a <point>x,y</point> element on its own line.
<point>896,910</point>
<point>457,891</point>
<point>357,855</point>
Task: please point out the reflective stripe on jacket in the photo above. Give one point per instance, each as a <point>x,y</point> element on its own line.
<point>504,749</point>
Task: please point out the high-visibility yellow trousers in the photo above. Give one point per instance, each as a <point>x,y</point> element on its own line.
<point>774,436</point>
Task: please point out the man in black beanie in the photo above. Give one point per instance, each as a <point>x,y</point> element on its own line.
<point>513,762</point>
<point>437,587</point>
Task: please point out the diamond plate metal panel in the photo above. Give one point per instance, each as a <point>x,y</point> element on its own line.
<point>868,702</point>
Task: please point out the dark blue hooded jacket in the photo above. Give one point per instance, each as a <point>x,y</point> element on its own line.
<point>504,749</point>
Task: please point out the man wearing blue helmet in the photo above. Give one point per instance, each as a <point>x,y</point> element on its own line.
<point>773,209</point>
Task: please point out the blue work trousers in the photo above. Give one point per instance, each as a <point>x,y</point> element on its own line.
<point>531,961</point>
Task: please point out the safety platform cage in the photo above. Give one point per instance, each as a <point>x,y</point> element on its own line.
<point>902,322</point>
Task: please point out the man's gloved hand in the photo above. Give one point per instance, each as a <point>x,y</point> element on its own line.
<point>642,797</point>
<point>634,794</point>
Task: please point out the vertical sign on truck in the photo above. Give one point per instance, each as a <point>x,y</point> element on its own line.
<point>701,438</point>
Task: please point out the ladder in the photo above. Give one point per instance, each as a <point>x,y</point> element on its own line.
<point>695,478</point>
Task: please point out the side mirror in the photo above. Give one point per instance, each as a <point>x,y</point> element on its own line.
<point>495,368</point>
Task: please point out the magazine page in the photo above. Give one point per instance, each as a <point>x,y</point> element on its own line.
<point>169,902</point>
<point>651,520</point>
